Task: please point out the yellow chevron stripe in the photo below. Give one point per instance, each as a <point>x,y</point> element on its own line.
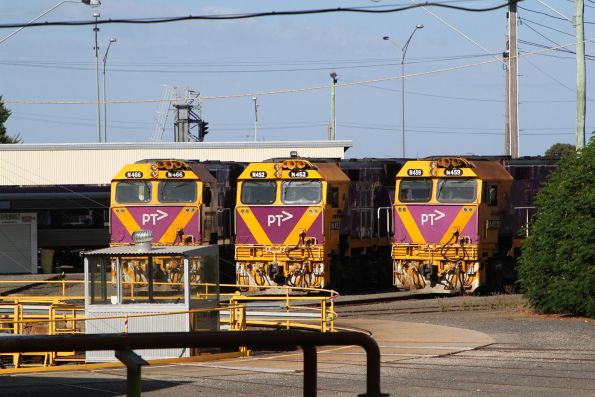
<point>410,225</point>
<point>169,237</point>
<point>257,230</point>
<point>127,220</point>
<point>459,223</point>
<point>303,224</point>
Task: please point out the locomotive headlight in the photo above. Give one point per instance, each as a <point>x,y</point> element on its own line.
<point>277,166</point>
<point>154,174</point>
<point>433,171</point>
<point>278,174</point>
<point>153,167</point>
<point>433,165</point>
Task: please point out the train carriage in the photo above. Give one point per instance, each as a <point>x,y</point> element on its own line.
<point>452,225</point>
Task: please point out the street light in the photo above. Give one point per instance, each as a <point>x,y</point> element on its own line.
<point>111,40</point>
<point>403,53</point>
<point>255,117</point>
<point>333,127</point>
<point>92,3</point>
<point>96,15</point>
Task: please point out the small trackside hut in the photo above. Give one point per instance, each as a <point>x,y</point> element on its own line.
<point>172,287</point>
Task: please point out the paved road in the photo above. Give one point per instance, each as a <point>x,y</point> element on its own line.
<point>464,346</point>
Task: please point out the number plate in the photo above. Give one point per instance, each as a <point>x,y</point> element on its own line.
<point>298,174</point>
<point>134,174</point>
<point>175,174</point>
<point>258,174</point>
<point>415,172</point>
<point>453,172</point>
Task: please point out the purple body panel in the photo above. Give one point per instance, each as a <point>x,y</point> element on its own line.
<point>433,222</point>
<point>158,219</point>
<point>278,222</point>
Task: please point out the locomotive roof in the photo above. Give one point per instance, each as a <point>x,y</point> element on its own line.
<point>331,172</point>
<point>490,170</point>
<point>202,173</point>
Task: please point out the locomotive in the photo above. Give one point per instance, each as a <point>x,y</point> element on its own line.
<point>312,223</point>
<point>173,202</point>
<point>456,221</point>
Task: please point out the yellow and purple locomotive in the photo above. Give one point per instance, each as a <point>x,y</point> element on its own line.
<point>173,202</point>
<point>172,198</point>
<point>311,223</point>
<point>451,224</point>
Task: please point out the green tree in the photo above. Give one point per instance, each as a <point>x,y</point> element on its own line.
<point>4,115</point>
<point>557,264</point>
<point>559,150</point>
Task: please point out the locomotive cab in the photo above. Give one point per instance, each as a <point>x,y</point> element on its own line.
<point>285,220</point>
<point>162,203</point>
<point>174,199</point>
<point>451,220</point>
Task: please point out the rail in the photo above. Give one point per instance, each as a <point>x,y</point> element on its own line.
<point>286,340</point>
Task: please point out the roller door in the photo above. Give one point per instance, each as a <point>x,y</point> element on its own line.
<point>18,243</point>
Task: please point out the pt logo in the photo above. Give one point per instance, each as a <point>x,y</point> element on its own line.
<point>431,217</point>
<point>278,219</point>
<point>153,218</point>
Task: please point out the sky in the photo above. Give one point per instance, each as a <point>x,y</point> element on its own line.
<point>454,77</point>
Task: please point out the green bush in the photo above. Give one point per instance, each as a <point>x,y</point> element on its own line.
<point>557,264</point>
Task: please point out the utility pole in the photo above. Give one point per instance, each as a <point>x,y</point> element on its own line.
<point>512,139</point>
<point>505,56</point>
<point>580,74</point>
<point>333,128</point>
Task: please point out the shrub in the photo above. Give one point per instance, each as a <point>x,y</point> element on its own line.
<point>557,264</point>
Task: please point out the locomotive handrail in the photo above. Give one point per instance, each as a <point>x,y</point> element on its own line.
<point>286,340</point>
<point>526,217</point>
<point>388,222</point>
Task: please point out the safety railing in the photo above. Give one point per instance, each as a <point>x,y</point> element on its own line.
<point>314,313</point>
<point>287,340</point>
<point>304,312</point>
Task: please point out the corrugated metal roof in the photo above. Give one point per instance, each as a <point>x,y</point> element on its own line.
<point>137,250</point>
<point>96,164</point>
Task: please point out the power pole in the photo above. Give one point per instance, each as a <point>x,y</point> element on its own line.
<point>505,56</point>
<point>512,141</point>
<point>580,74</point>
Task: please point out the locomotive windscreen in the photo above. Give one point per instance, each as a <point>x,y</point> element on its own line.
<point>415,190</point>
<point>177,192</point>
<point>301,192</point>
<point>258,192</point>
<point>457,190</point>
<point>133,192</point>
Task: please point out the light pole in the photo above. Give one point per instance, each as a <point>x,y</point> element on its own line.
<point>92,3</point>
<point>403,53</point>
<point>96,15</point>
<point>333,128</point>
<point>255,117</point>
<point>111,40</point>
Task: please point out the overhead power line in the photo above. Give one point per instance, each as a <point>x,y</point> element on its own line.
<point>296,90</point>
<point>227,17</point>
